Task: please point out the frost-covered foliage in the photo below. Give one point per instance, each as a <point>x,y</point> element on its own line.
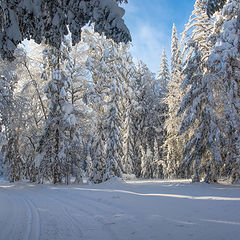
<point>199,104</point>
<point>163,76</point>
<point>13,118</point>
<point>55,148</point>
<point>158,162</point>
<point>107,62</point>
<point>126,106</point>
<point>114,141</point>
<point>9,137</point>
<point>147,116</point>
<point>98,161</point>
<point>173,144</point>
<point>175,52</point>
<point>224,67</point>
<point>49,21</point>
<point>199,28</point>
<point>203,148</point>
<point>129,136</point>
<point>6,95</point>
<point>107,117</point>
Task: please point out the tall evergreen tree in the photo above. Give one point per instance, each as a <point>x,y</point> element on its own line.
<point>224,67</point>
<point>174,143</point>
<point>202,151</point>
<point>106,61</point>
<point>54,147</point>
<point>175,52</point>
<point>114,150</point>
<point>164,75</point>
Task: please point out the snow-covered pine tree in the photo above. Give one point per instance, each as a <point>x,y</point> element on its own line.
<point>175,52</point>
<point>158,164</point>
<point>163,76</point>
<point>145,116</point>
<point>110,65</point>
<point>113,135</point>
<point>129,143</point>
<point>98,159</point>
<point>138,117</point>
<point>76,70</point>
<point>199,28</point>
<point>54,148</point>
<point>157,116</point>
<point>202,151</point>
<point>96,98</point>
<point>127,72</point>
<point>224,68</point>
<point>174,143</point>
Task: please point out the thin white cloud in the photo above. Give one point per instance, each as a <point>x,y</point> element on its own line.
<point>148,42</point>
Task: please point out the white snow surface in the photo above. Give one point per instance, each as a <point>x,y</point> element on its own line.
<point>134,210</point>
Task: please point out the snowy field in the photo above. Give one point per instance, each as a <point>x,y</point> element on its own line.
<point>137,210</point>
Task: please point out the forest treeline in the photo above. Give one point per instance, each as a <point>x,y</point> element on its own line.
<point>87,109</point>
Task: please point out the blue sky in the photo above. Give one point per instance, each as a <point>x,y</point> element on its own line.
<point>150,23</point>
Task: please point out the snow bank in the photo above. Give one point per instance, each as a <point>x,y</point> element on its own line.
<point>114,181</point>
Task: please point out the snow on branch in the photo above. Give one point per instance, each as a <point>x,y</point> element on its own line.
<point>49,21</point>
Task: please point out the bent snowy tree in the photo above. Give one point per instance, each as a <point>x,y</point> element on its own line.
<point>49,21</point>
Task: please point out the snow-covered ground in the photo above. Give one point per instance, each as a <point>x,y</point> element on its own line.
<point>137,210</point>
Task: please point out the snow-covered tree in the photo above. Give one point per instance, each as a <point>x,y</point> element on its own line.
<point>96,99</point>
<point>175,52</point>
<point>158,163</point>
<point>129,139</point>
<point>114,74</point>
<point>55,145</point>
<point>146,111</point>
<point>49,21</point>
<point>202,151</point>
<point>30,87</point>
<point>173,144</point>
<point>198,29</point>
<point>98,159</point>
<point>163,76</point>
<point>114,151</point>
<point>13,117</point>
<point>224,67</point>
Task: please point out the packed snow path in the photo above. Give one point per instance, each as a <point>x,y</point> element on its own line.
<point>138,210</point>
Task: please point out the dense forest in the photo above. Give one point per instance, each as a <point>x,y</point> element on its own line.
<point>77,105</point>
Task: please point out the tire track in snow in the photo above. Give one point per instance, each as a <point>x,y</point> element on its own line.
<point>27,229</point>
<point>73,222</point>
<point>92,215</point>
<point>106,204</point>
<point>70,219</point>
<point>99,213</point>
<point>33,229</point>
<point>33,221</point>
